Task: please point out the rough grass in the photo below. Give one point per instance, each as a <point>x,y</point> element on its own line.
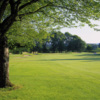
<point>64,76</point>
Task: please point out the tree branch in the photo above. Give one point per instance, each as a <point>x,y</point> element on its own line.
<point>12,5</point>
<point>21,15</point>
<point>7,23</point>
<point>23,6</point>
<point>2,8</point>
<point>17,4</point>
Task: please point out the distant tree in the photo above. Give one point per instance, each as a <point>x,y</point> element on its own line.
<point>94,46</point>
<point>89,48</point>
<point>41,46</point>
<point>97,50</point>
<point>37,47</point>
<point>99,45</point>
<point>68,38</point>
<point>61,45</point>
<point>57,41</point>
<point>45,47</point>
<point>76,44</point>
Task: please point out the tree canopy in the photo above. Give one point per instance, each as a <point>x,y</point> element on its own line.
<point>48,12</point>
<point>60,42</point>
<point>76,44</point>
<point>34,18</point>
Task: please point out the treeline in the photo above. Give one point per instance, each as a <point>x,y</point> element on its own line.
<point>55,42</point>
<point>59,42</point>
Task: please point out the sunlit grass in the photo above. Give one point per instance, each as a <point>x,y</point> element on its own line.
<point>73,76</point>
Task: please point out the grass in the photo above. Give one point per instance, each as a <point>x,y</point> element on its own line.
<point>73,76</point>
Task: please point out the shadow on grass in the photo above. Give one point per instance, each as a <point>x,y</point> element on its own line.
<point>15,87</point>
<point>85,57</point>
<point>89,55</point>
<point>89,59</point>
<point>82,59</point>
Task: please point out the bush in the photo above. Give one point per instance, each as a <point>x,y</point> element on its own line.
<point>18,50</point>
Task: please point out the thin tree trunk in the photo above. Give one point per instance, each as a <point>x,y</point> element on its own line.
<point>4,63</point>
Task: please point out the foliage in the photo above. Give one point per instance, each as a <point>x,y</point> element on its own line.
<point>59,42</point>
<point>23,20</point>
<point>43,15</point>
<point>76,44</point>
<point>89,48</point>
<point>97,50</point>
<point>99,45</point>
<point>25,35</point>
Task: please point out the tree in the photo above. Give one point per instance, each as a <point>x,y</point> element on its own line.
<point>76,44</point>
<point>54,41</point>
<point>68,38</point>
<point>99,45</point>
<point>42,14</point>
<point>89,48</point>
<point>57,41</point>
<point>46,45</point>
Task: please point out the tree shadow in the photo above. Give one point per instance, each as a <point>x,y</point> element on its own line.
<point>85,57</point>
<point>82,59</point>
<point>89,54</point>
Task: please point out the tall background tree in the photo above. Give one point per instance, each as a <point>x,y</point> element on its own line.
<point>57,41</point>
<point>89,48</point>
<point>42,15</point>
<point>76,44</point>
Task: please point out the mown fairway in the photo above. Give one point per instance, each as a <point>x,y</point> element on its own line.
<point>73,76</point>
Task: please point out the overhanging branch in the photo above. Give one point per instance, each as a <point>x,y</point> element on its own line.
<point>29,13</point>
<point>12,5</point>
<point>2,8</point>
<point>23,6</point>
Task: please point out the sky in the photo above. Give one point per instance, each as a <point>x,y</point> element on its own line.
<point>89,35</point>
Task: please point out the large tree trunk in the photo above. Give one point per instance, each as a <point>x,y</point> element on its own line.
<point>4,63</point>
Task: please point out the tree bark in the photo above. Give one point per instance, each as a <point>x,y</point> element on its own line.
<point>4,63</point>
<point>4,52</point>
